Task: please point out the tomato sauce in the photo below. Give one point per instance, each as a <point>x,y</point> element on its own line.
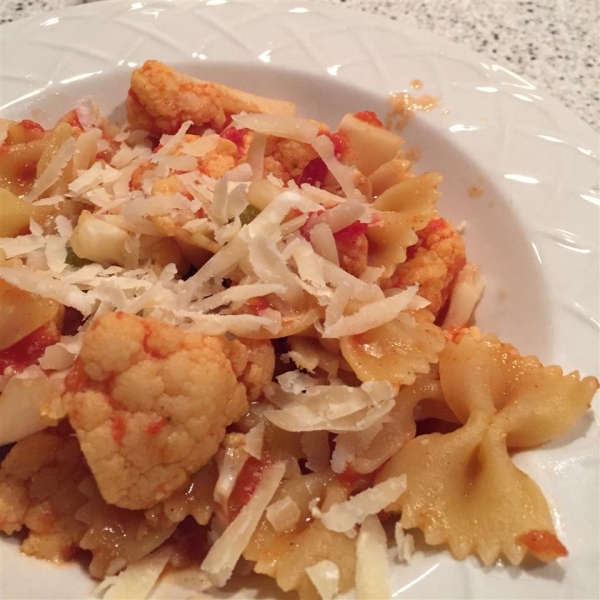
<point>237,136</point>
<point>314,173</point>
<point>368,116</point>
<point>26,352</point>
<point>76,378</point>
<point>118,428</point>
<point>31,126</point>
<point>246,484</point>
<point>155,427</point>
<point>340,143</point>
<point>349,234</point>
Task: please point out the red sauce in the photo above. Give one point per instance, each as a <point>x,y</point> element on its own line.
<point>31,125</point>
<point>118,427</point>
<point>72,119</point>
<point>310,223</point>
<point>368,116</point>
<point>352,479</point>
<point>77,377</point>
<point>27,173</point>
<point>340,143</point>
<point>237,136</point>
<point>25,352</point>
<point>157,148</point>
<point>246,484</point>
<point>154,352</point>
<point>314,173</point>
<point>257,305</point>
<point>543,544</point>
<point>350,233</point>
<point>155,427</point>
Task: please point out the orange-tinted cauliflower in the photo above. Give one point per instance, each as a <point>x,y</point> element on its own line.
<point>39,482</point>
<point>46,486</point>
<point>161,99</point>
<point>259,370</point>
<point>287,159</point>
<point>150,404</point>
<point>433,262</point>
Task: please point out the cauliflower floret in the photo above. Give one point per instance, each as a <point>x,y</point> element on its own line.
<point>39,482</point>
<point>353,252</point>
<point>161,99</point>
<point>261,365</point>
<point>287,159</point>
<point>433,262</point>
<point>150,405</point>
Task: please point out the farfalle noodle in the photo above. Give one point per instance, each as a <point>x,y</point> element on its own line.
<point>396,351</point>
<point>463,488</point>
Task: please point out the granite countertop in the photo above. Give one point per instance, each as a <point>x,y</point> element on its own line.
<point>553,43</point>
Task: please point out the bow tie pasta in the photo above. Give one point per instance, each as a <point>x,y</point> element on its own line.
<point>462,487</point>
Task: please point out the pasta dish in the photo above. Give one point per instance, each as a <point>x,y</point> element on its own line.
<point>234,341</point>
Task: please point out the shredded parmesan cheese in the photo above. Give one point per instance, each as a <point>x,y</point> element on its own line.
<point>253,440</point>
<point>344,516</point>
<point>138,579</point>
<point>53,171</point>
<point>283,515</point>
<point>405,543</point>
<point>333,408</point>
<point>225,552</point>
<point>325,576</point>
<point>372,567</point>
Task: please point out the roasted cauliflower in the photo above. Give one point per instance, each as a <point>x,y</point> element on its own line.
<point>39,482</point>
<point>150,404</point>
<point>433,262</point>
<point>161,99</point>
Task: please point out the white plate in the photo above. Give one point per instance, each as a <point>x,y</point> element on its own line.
<point>534,231</point>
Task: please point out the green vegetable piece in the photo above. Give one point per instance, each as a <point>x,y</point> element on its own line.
<point>74,260</point>
<point>249,214</point>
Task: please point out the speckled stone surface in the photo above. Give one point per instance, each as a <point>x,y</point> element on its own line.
<point>553,43</point>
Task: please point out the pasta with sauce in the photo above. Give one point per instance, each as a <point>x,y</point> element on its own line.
<point>221,328</point>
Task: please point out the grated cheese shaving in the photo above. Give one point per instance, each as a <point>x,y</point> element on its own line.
<point>405,543</point>
<point>325,576</point>
<point>344,175</point>
<point>64,227</point>
<point>344,516</point>
<point>335,408</point>
<point>283,515</point>
<point>256,155</point>
<point>371,315</point>
<point>230,464</point>
<point>56,253</point>
<point>61,356</point>
<point>321,237</point>
<point>465,295</point>
<point>45,285</point>
<point>138,579</point>
<point>291,128</point>
<point>21,245</point>
<point>372,567</point>
<point>225,552</point>
<point>53,171</point>
<point>168,143</point>
<point>253,440</point>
